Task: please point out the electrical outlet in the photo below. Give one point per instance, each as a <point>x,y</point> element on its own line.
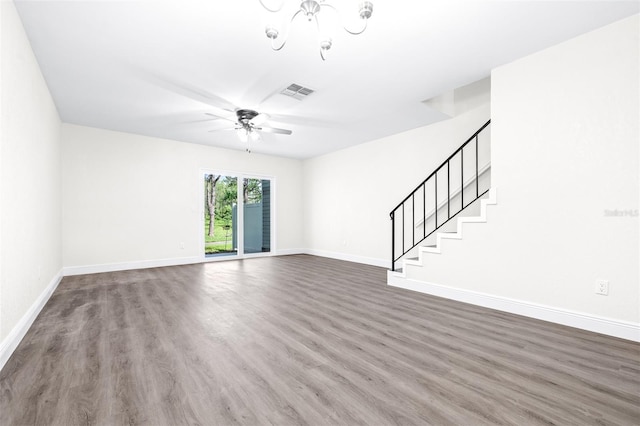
<point>602,287</point>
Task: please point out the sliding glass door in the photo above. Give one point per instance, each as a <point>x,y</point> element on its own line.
<point>221,193</point>
<point>237,215</point>
<point>257,215</point>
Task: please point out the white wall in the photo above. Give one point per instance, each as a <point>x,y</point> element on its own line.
<point>130,199</point>
<point>564,151</point>
<point>30,224</point>
<point>349,193</point>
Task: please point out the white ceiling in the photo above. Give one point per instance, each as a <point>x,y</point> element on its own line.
<point>156,67</point>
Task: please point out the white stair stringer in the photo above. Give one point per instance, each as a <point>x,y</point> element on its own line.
<point>425,251</point>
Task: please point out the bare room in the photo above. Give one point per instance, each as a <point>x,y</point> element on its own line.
<point>319,212</point>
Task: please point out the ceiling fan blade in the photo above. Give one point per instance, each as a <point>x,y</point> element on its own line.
<point>205,120</point>
<point>274,130</point>
<point>221,129</point>
<point>231,117</point>
<point>187,90</point>
<point>259,119</point>
<point>304,121</point>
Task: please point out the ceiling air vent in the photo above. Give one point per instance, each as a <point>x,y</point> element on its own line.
<point>296,91</point>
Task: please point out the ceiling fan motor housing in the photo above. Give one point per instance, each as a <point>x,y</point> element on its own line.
<point>246,115</point>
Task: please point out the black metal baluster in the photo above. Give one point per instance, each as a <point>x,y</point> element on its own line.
<point>462,179</point>
<point>393,240</point>
<point>477,186</point>
<point>413,219</point>
<point>403,230</point>
<point>435,225</point>
<point>424,210</point>
<point>448,193</point>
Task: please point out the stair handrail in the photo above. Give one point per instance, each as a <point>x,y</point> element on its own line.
<point>447,163</point>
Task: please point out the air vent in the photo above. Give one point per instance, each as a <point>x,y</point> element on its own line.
<point>296,91</point>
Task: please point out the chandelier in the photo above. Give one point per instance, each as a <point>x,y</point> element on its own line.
<point>312,10</point>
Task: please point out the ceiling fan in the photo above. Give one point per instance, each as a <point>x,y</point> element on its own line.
<point>248,123</point>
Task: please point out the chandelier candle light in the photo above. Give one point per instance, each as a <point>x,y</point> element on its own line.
<point>312,10</point>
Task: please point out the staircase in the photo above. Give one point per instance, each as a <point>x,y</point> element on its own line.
<point>456,193</point>
<point>425,251</point>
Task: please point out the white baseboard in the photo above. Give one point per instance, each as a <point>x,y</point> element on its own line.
<point>383,263</point>
<point>287,252</point>
<point>15,336</point>
<point>611,327</point>
<point>158,263</point>
<point>142,264</point>
<point>125,266</point>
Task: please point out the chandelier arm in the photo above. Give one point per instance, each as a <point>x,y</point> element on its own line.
<point>323,4</point>
<point>273,47</point>
<point>286,37</point>
<point>357,32</point>
<point>344,26</point>
<point>272,10</point>
<point>315,17</point>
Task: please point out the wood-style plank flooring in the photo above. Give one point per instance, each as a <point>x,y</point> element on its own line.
<point>302,340</point>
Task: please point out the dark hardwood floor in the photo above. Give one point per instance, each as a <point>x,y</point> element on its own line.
<point>302,340</point>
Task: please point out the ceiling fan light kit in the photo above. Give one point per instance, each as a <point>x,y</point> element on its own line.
<point>248,124</point>
<point>312,10</point>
